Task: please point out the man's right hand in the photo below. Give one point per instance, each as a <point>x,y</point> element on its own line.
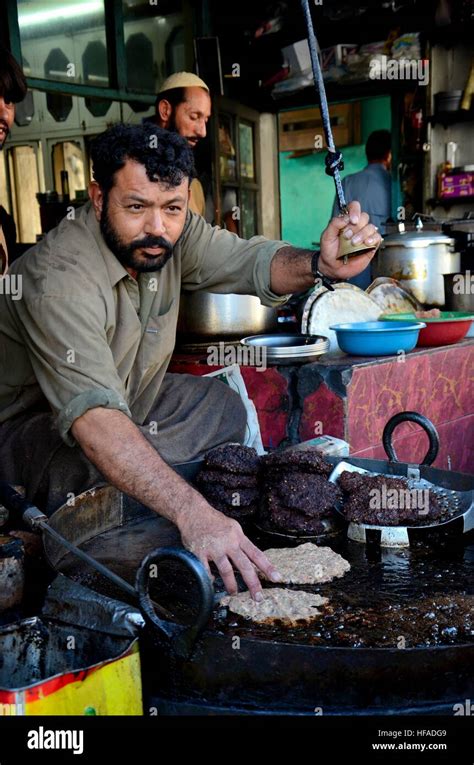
<point>212,536</point>
<point>115,445</point>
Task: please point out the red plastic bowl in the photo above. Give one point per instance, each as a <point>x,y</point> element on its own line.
<point>443,333</point>
<point>445,329</point>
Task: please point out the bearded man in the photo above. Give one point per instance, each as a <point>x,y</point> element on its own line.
<point>84,393</point>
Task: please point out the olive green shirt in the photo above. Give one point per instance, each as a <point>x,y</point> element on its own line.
<point>85,334</point>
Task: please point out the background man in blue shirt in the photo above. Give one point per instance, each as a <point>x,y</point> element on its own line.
<point>372,188</point>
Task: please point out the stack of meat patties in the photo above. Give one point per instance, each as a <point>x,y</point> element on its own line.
<point>229,480</point>
<point>297,493</point>
<point>384,501</point>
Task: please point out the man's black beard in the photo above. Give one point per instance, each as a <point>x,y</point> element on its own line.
<point>125,253</point>
<point>172,127</point>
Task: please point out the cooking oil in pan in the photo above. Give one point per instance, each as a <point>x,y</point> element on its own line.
<point>413,597</point>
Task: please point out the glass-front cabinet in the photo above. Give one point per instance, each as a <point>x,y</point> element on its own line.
<point>237,173</point>
<point>89,64</point>
<point>64,40</point>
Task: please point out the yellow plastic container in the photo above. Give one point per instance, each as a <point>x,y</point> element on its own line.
<point>85,672</point>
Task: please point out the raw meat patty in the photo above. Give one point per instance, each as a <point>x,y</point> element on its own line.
<point>234,511</point>
<point>279,605</point>
<point>308,564</point>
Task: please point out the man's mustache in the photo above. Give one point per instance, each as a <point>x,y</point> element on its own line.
<point>152,241</point>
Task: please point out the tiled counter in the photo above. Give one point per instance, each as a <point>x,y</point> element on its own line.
<point>353,397</point>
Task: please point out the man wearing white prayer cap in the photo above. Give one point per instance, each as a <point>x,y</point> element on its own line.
<point>183,105</point>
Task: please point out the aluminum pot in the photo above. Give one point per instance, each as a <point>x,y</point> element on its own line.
<point>418,260</point>
<point>459,291</point>
<point>211,315</point>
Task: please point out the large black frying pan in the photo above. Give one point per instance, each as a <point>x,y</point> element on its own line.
<point>194,655</point>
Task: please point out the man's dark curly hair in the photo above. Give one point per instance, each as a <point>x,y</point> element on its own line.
<point>166,156</point>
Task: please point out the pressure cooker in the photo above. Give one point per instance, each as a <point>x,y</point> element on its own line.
<point>418,259</point>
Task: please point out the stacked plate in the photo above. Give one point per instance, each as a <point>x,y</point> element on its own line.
<point>288,349</point>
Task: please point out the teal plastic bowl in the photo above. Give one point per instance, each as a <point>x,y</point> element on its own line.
<point>377,338</point>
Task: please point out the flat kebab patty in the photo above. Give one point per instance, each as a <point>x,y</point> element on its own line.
<point>233,458</point>
<point>305,460</point>
<point>237,480</point>
<point>234,511</point>
<point>289,521</point>
<point>235,497</point>
<point>308,564</point>
<point>309,494</point>
<point>361,506</point>
<point>278,606</point>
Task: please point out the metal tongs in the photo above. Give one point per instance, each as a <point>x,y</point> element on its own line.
<point>334,162</point>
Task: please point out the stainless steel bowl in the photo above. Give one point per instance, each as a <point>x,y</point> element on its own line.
<point>208,314</point>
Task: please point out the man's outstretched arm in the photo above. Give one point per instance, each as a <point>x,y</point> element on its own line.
<point>114,444</point>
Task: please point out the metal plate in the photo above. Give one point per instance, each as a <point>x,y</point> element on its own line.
<point>288,349</point>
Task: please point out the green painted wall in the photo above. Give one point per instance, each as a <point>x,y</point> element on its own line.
<point>307,193</point>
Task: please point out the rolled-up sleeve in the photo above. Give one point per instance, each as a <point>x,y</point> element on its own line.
<point>72,362</point>
<point>216,260</point>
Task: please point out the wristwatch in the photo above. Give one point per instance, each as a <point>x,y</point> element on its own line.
<point>318,276</point>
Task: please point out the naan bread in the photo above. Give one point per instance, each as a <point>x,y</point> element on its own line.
<point>289,607</point>
<point>307,564</point>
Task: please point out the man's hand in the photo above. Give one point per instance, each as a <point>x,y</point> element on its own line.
<point>357,229</point>
<point>213,537</point>
<point>118,449</point>
<point>290,268</point>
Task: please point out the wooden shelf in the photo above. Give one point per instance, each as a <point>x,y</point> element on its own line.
<point>451,118</point>
<point>449,202</point>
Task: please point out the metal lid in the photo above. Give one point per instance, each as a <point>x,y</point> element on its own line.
<point>416,239</point>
